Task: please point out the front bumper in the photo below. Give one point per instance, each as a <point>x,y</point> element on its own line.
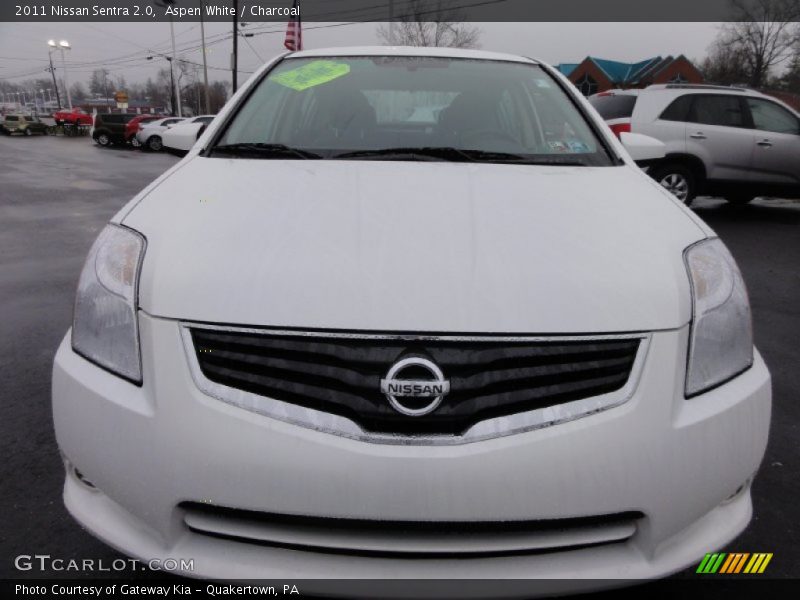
<point>150,449</point>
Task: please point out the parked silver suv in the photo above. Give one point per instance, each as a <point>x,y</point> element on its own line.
<point>731,142</point>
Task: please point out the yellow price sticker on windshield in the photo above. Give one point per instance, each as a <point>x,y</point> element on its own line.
<point>312,74</point>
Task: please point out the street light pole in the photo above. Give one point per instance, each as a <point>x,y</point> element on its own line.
<point>64,45</point>
<point>171,81</point>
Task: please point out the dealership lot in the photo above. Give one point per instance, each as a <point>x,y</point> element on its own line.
<point>56,194</point>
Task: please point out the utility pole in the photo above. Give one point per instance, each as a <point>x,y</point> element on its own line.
<point>391,22</point>
<point>172,88</point>
<point>172,67</point>
<point>205,66</point>
<point>235,55</point>
<point>53,73</point>
<point>105,91</point>
<point>177,90</point>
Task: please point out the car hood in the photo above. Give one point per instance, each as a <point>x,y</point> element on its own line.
<point>414,246</point>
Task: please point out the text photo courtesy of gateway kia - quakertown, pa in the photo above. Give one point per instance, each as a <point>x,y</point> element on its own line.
<point>401,299</point>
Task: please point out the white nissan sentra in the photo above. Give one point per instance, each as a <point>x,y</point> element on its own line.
<point>341,339</point>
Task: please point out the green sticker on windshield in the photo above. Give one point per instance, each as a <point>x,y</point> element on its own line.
<point>314,73</point>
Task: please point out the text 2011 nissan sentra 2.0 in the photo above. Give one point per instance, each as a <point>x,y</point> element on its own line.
<point>411,313</point>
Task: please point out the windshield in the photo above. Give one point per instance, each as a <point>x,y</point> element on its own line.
<point>410,108</point>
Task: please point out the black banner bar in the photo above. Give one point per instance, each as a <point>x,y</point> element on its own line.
<point>374,10</point>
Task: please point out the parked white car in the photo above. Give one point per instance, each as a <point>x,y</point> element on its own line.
<point>151,134</point>
<point>327,345</point>
<point>182,136</point>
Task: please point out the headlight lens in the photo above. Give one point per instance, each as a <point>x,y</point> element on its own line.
<point>721,341</point>
<point>105,329</point>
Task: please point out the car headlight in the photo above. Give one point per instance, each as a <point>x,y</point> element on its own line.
<point>721,340</point>
<point>105,328</point>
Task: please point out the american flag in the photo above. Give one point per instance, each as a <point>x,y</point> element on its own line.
<point>294,31</point>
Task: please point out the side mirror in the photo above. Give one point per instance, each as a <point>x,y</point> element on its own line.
<point>643,148</point>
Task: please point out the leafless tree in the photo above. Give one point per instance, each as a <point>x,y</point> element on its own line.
<point>724,65</point>
<point>763,36</point>
<point>100,82</point>
<point>218,94</point>
<point>119,83</point>
<point>791,78</point>
<point>77,91</point>
<point>430,23</point>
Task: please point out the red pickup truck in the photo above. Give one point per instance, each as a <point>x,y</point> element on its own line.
<point>76,116</point>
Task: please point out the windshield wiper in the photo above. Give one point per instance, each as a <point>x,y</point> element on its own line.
<point>425,153</point>
<point>555,160</point>
<point>259,150</point>
<point>447,153</point>
<point>409,153</point>
<point>523,159</point>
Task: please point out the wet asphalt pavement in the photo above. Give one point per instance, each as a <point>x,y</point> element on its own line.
<point>57,193</point>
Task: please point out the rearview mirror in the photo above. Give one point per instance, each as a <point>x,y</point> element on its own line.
<point>643,148</point>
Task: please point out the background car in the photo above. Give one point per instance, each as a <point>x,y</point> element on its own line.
<point>150,134</point>
<point>23,124</point>
<point>109,128</point>
<point>181,137</point>
<point>76,116</point>
<point>732,142</point>
<point>135,124</point>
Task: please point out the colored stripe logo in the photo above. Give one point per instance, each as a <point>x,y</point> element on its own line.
<point>734,563</point>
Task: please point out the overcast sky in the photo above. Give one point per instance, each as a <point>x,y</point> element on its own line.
<point>122,47</point>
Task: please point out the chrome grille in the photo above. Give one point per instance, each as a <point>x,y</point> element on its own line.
<point>340,374</point>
